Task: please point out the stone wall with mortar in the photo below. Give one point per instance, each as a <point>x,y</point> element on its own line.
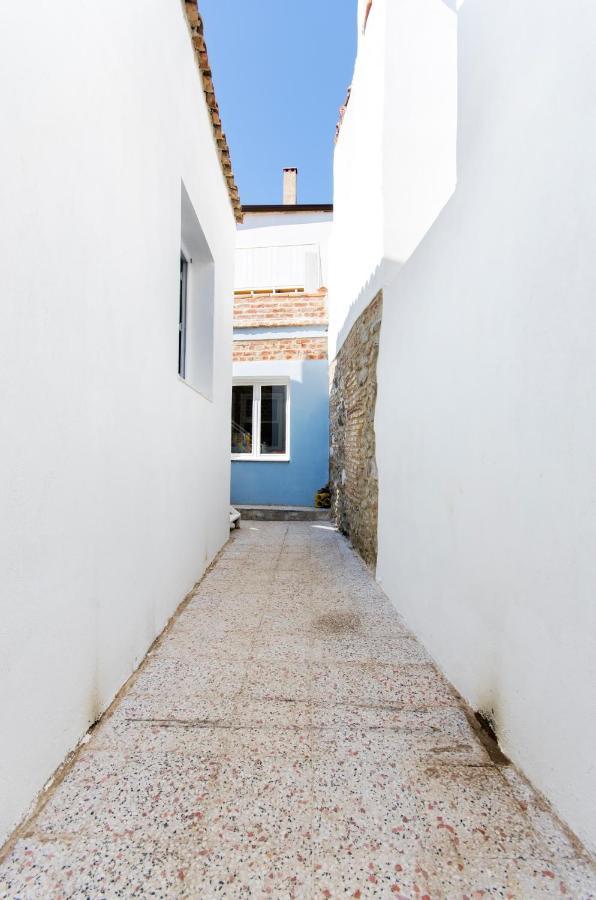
<point>353,467</point>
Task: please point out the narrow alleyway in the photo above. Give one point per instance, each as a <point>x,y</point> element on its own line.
<point>288,737</point>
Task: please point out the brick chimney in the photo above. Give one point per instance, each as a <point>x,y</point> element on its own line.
<point>290,187</point>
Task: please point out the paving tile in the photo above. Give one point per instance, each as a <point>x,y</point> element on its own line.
<point>238,644</point>
<point>328,715</point>
<point>231,618</point>
<point>89,868</point>
<point>278,714</point>
<point>392,650</point>
<point>439,737</point>
<point>382,623</point>
<point>378,873</point>
<point>406,807</point>
<point>260,844</point>
<point>255,870</point>
<point>154,709</point>
<point>517,879</point>
<point>561,844</point>
<point>277,626</point>
<point>272,780</point>
<point>134,737</point>
<point>230,622</point>
<point>278,680</point>
<point>258,743</point>
<point>179,676</point>
<point>151,796</point>
<point>286,647</point>
<point>381,685</point>
<point>288,737</point>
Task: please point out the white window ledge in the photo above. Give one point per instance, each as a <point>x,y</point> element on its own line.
<point>195,389</point>
<point>273,457</point>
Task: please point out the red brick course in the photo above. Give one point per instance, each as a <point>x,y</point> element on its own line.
<point>280,348</point>
<point>263,310</point>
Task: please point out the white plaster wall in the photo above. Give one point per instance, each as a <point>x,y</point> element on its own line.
<point>420,120</point>
<point>357,238</point>
<point>114,474</point>
<point>278,246</point>
<point>270,218</point>
<point>485,415</point>
<point>395,161</point>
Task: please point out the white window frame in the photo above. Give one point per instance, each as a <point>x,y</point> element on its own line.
<point>183,314</point>
<point>257,384</point>
<point>197,372</point>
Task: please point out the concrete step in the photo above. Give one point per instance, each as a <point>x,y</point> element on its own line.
<point>283,513</point>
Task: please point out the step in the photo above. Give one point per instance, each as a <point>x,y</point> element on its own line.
<point>283,513</point>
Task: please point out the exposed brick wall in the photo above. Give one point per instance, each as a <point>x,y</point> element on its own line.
<point>280,348</point>
<point>353,467</point>
<point>262,310</point>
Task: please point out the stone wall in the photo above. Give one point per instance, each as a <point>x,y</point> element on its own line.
<point>353,468</point>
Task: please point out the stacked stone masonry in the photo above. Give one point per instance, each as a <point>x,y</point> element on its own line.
<point>280,348</point>
<point>264,310</point>
<point>353,468</point>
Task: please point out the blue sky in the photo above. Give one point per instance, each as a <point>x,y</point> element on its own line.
<point>281,69</point>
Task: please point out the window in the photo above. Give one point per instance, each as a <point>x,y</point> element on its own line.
<point>242,417</point>
<point>260,421</point>
<point>182,318</point>
<point>273,418</point>
<point>196,303</point>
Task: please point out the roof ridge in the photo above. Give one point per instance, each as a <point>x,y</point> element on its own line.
<point>195,23</point>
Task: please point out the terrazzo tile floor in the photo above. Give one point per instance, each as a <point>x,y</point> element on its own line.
<point>289,737</point>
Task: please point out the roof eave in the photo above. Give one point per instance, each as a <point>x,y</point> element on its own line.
<point>287,208</point>
<point>195,23</point>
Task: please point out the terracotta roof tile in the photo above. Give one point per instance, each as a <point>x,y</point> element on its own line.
<point>196,27</point>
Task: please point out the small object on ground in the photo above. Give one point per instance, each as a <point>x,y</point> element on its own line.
<point>234,518</point>
<point>323,498</point>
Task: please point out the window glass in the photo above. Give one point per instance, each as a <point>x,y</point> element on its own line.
<point>273,418</point>
<point>242,396</point>
<point>182,318</point>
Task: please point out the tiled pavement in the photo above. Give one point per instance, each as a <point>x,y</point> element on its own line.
<point>289,737</point>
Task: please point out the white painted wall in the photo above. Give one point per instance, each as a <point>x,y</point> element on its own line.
<point>357,243</point>
<point>114,474</point>
<point>285,250</point>
<point>395,158</point>
<point>486,436</point>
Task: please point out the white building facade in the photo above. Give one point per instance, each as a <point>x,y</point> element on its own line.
<point>280,401</point>
<point>483,438</point>
<point>116,275</point>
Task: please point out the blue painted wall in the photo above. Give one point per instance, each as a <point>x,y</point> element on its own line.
<point>291,483</point>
